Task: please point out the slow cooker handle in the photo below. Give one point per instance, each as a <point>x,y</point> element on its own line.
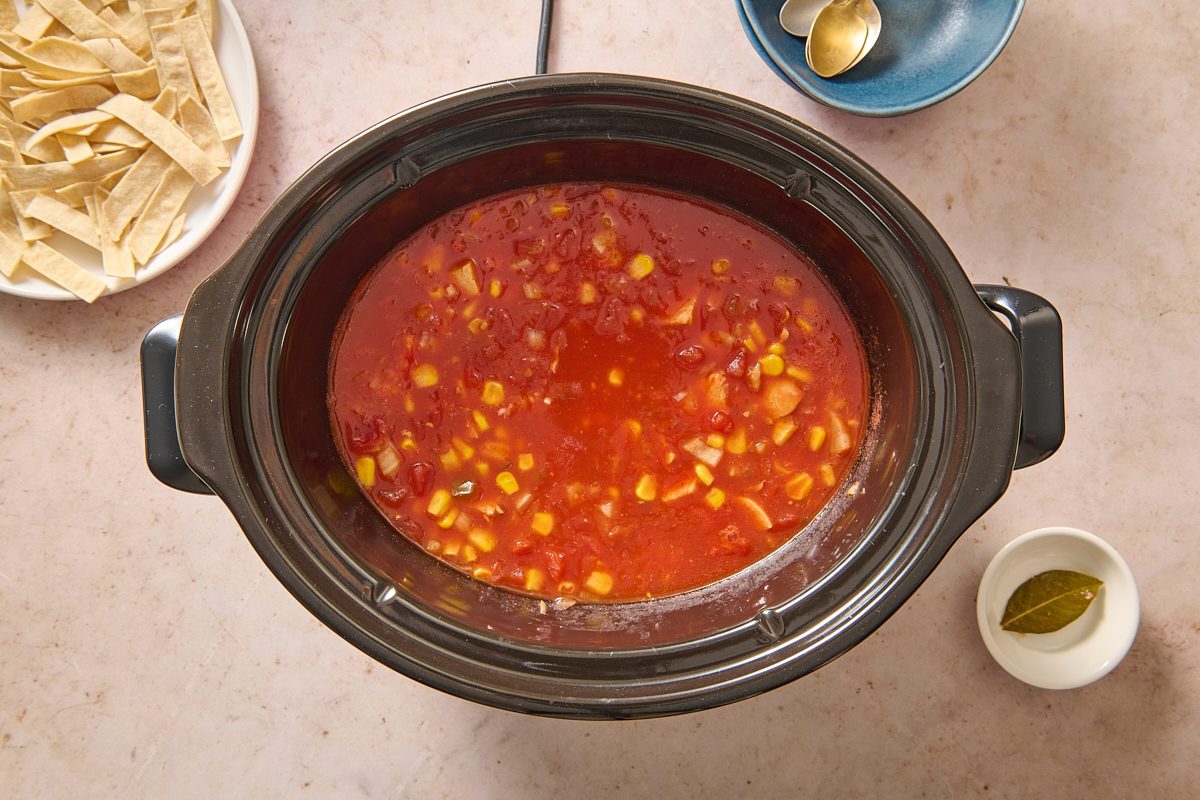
<point>1038,329</point>
<point>164,455</point>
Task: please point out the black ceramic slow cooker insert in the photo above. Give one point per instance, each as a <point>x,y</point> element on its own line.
<point>958,398</point>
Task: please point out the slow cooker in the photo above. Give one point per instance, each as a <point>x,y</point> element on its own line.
<point>235,398</point>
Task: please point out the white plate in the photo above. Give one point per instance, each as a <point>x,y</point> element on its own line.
<point>206,205</point>
<point>1083,651</point>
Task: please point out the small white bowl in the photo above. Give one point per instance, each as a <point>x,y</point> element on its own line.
<point>1088,648</point>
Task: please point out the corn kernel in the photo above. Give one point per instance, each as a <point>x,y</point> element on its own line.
<point>647,488</point>
<point>483,539</point>
<point>635,428</point>
<point>720,266</point>
<point>450,460</point>
<point>783,431</point>
<point>775,348</point>
<point>365,467</point>
<point>409,405</point>
<point>496,451</point>
<point>587,293</point>
<point>800,374</point>
<point>507,483</point>
<point>525,462</point>
<point>599,583</point>
<point>447,520</point>
<point>534,579</point>
<point>715,498</point>
<point>481,574</point>
<point>408,444</point>
<point>703,473</point>
<point>816,438</point>
<point>736,443</point>
<point>480,421</point>
<point>560,210</point>
<point>542,523</point>
<point>495,287</point>
<point>464,450</point>
<point>424,376</point>
<point>482,468</point>
<point>756,333</point>
<point>772,365</point>
<point>799,486</point>
<point>804,325</point>
<point>637,314</point>
<point>469,553</point>
<point>452,548</point>
<point>715,440</point>
<point>616,376</point>
<point>827,475</point>
<point>493,393</point>
<point>640,266</point>
<point>439,503</point>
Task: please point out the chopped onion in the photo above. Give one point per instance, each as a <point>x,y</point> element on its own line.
<point>698,448</point>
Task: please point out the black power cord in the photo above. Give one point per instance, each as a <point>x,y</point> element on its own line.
<point>543,46</point>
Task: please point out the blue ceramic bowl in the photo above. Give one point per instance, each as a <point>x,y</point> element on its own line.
<point>927,51</point>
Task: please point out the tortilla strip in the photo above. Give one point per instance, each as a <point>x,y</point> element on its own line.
<point>131,193</point>
<point>208,75</point>
<point>44,151</point>
<point>132,26</point>
<point>73,123</point>
<point>64,218</point>
<point>65,83</point>
<point>53,176</point>
<point>170,57</point>
<point>142,84</point>
<point>10,256</point>
<point>68,54</point>
<point>8,15</point>
<point>35,25</point>
<point>11,80</point>
<point>115,55</point>
<point>75,147</point>
<point>76,193</point>
<point>50,70</point>
<point>79,20</point>
<point>33,230</point>
<point>162,207</point>
<point>199,125</point>
<point>164,105</point>
<point>43,105</point>
<point>204,9</point>
<point>114,254</point>
<point>165,134</point>
<point>63,271</point>
<point>174,231</point>
<point>10,233</point>
<point>116,132</point>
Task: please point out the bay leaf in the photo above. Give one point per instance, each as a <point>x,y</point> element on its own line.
<point>1050,601</point>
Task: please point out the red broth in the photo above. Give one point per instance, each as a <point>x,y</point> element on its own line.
<point>607,393</point>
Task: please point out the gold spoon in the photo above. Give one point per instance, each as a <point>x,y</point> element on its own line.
<point>870,14</point>
<point>837,38</point>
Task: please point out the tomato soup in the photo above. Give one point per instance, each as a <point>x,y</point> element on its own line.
<point>596,392</point>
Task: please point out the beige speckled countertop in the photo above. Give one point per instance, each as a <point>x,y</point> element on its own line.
<point>145,651</point>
